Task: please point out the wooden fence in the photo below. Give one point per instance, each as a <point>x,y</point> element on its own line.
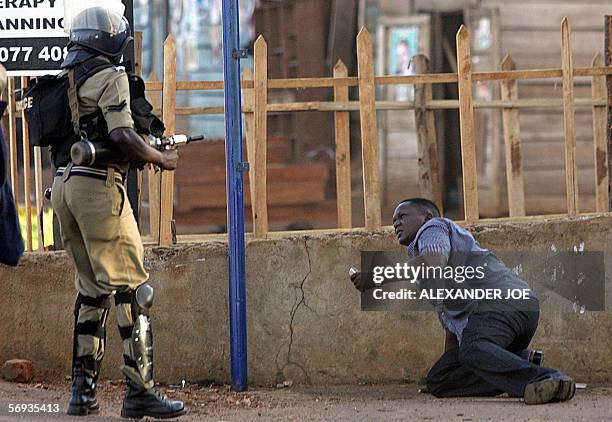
<point>256,107</point>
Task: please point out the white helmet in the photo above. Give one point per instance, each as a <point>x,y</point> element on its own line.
<point>97,25</point>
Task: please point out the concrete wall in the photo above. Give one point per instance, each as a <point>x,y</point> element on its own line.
<point>305,323</point>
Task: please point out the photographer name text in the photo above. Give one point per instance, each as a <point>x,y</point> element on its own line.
<point>452,294</point>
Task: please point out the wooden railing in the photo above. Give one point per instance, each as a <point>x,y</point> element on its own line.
<point>256,107</point>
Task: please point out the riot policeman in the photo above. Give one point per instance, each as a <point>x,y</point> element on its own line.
<point>98,228</point>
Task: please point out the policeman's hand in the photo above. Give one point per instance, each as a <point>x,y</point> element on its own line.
<point>170,159</point>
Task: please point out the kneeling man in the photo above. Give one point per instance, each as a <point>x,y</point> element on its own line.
<point>486,340</point>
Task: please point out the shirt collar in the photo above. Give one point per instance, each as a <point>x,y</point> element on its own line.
<point>413,247</point>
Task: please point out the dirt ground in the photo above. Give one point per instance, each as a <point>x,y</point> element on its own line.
<point>301,403</point>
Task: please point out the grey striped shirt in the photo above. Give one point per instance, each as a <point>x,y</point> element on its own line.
<point>443,236</point>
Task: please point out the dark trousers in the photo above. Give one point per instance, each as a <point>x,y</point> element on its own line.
<point>491,358</point>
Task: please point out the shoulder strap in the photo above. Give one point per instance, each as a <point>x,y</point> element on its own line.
<point>77,77</point>
<point>73,101</point>
<point>89,68</point>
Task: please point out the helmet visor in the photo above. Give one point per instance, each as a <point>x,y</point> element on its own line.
<point>74,8</point>
<point>100,19</point>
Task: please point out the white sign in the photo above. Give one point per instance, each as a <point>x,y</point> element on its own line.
<point>32,37</point>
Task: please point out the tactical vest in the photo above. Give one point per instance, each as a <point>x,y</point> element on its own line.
<point>49,111</point>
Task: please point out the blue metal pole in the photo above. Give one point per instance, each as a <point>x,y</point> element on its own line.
<point>235,195</point>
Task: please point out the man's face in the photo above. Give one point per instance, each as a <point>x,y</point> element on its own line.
<point>407,220</point>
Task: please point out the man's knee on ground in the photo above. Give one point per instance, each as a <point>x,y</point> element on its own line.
<point>436,382</point>
<point>439,388</point>
<point>433,386</point>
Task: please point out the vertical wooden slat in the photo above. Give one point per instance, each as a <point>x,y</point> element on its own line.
<point>3,85</point>
<point>12,137</point>
<point>369,143</point>
<point>496,117</point>
<point>434,157</point>
<point>154,177</point>
<point>429,169</point>
<point>383,119</point>
<point>169,118</point>
<point>138,53</point>
<point>343,152</point>
<point>38,183</point>
<point>4,97</point>
<point>569,118</point>
<point>138,72</point>
<point>247,104</point>
<point>600,147</point>
<point>512,142</point>
<point>466,119</point>
<point>260,139</point>
<point>26,172</point>
<point>608,60</point>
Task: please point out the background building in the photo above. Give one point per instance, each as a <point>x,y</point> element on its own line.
<point>306,37</point>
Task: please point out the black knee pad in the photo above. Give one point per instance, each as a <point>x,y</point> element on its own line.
<point>95,302</point>
<point>92,328</point>
<point>140,299</point>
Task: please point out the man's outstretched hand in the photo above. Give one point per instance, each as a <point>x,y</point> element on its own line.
<point>356,279</point>
<point>360,281</point>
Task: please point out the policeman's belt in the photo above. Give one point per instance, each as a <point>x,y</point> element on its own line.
<point>94,173</point>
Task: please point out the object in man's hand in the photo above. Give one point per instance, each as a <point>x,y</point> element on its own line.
<point>173,141</point>
<point>536,357</point>
<point>87,153</point>
<point>356,279</point>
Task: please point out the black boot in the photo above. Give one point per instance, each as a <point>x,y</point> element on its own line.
<point>140,402</point>
<point>85,369</point>
<point>83,395</point>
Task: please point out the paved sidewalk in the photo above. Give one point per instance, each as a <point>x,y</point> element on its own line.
<point>337,403</point>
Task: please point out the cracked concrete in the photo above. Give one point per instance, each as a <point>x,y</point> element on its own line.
<point>300,300</point>
<point>304,317</point>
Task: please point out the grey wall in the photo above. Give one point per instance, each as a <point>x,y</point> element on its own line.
<point>304,319</point>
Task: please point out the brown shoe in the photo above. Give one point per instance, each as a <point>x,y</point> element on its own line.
<point>552,389</point>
